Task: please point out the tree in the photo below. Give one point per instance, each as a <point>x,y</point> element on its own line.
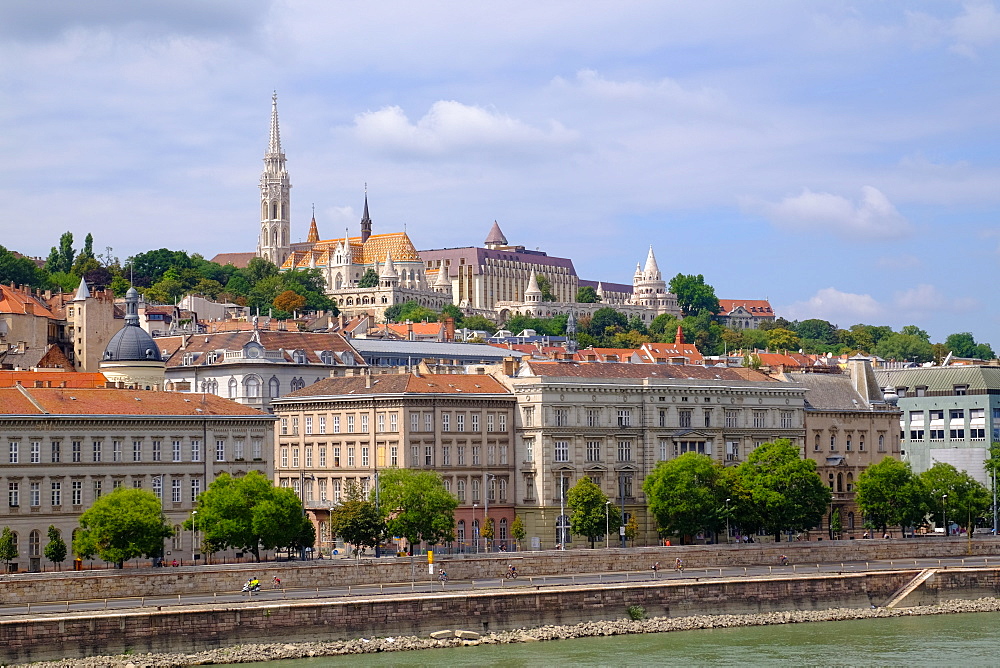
<point>410,310</point>
<point>785,489</point>
<point>356,521</point>
<point>835,525</point>
<point>369,279</point>
<point>55,549</point>
<point>605,319</point>
<point>478,322</point>
<point>889,494</point>
<point>664,325</point>
<point>904,347</point>
<point>631,529</point>
<point>545,285</point>
<point>452,311</point>
<point>693,294</point>
<point>687,495</point>
<point>19,270</point>
<point>416,505</point>
<point>125,524</point>
<point>586,503</point>
<point>964,345</point>
<point>517,531</point>
<point>8,548</point>
<point>61,258</point>
<point>782,339</point>
<point>587,295</point>
<point>250,514</point>
<point>913,330</point>
<point>815,328</point>
<point>488,531</point>
<point>949,490</point>
<point>289,301</point>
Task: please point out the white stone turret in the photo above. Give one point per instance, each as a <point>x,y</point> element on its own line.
<point>275,228</point>
<point>443,281</point>
<point>533,294</point>
<point>82,292</point>
<point>388,277</point>
<point>651,272</point>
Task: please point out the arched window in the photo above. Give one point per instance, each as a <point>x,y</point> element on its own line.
<point>475,490</point>
<point>840,482</point>
<point>562,529</point>
<point>461,530</point>
<point>502,484</point>
<point>460,489</point>
<point>251,386</point>
<point>502,529</point>
<point>274,210</point>
<point>34,543</point>
<point>850,520</point>
<point>232,388</point>
<point>274,387</point>
<point>850,481</point>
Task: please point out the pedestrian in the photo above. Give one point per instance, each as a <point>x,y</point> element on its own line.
<point>655,567</point>
<point>885,536</point>
<point>174,563</point>
<point>866,535</point>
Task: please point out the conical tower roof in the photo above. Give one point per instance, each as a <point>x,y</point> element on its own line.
<point>443,280</point>
<point>651,272</point>
<point>532,288</point>
<point>495,237</point>
<point>313,230</point>
<point>388,270</point>
<point>82,292</point>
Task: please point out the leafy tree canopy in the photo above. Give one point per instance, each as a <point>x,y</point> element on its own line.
<point>904,347</point>
<point>956,493</point>
<point>545,285</point>
<point>19,270</point>
<point>478,322</point>
<point>693,294</point>
<point>357,521</point>
<point>411,311</point>
<point>415,504</point>
<point>587,295</point>
<point>55,549</point>
<point>964,345</point>
<point>820,330</point>
<point>369,279</point>
<point>588,512</point>
<point>783,339</point>
<point>8,548</point>
<point>889,494</point>
<point>125,524</point>
<point>687,495</point>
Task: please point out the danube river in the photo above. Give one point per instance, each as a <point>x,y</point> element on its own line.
<point>934,640</point>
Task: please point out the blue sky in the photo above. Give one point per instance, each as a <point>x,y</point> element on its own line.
<point>840,159</point>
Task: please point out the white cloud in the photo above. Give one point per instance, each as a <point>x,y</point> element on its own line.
<point>923,299</point>
<point>977,27</point>
<point>836,306</point>
<point>450,127</point>
<point>663,91</point>
<point>873,216</point>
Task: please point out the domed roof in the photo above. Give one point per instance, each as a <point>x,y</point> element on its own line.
<point>132,344</point>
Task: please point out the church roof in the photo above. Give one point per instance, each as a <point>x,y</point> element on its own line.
<point>373,250</point>
<point>496,236</point>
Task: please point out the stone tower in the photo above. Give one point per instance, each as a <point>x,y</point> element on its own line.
<point>275,228</point>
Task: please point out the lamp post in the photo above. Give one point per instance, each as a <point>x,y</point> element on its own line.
<point>727,521</point>
<point>607,524</point>
<point>562,512</point>
<point>944,513</point>
<point>194,533</point>
<point>475,527</point>
<point>378,513</point>
<point>621,494</point>
<point>302,497</point>
<point>487,479</point>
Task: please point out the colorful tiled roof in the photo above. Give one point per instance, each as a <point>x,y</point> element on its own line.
<point>373,250</point>
<point>309,342</point>
<point>15,301</point>
<point>758,307</point>
<point>83,401</point>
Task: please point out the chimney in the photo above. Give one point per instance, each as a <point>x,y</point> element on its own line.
<point>449,329</point>
<point>409,330</point>
<point>29,308</point>
<point>509,366</point>
<point>368,381</point>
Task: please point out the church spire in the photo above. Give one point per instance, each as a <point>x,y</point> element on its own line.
<point>366,221</point>
<point>274,143</point>
<point>275,227</point>
<point>313,230</point>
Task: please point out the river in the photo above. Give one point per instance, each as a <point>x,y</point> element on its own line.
<point>933,640</point>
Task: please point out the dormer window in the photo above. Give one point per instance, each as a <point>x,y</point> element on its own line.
<point>299,356</point>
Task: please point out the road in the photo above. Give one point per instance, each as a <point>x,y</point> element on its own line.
<point>526,580</point>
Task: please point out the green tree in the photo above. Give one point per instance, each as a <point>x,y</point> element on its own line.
<point>785,488</point>
<point>586,503</point>
<point>369,279</point>
<point>835,525</point>
<point>817,329</point>
<point>410,310</point>
<point>904,347</point>
<point>19,270</point>
<point>250,514</point>
<point>889,494</point>
<point>913,330</point>
<point>164,291</point>
<point>55,549</point>
<point>694,294</point>
<point>478,322</point>
<point>604,320</point>
<point>62,256</point>
<point>416,505</point>
<point>149,267</point>
<point>452,311</point>
<point>123,525</point>
<point>517,531</point>
<point>964,344</point>
<point>488,531</point>
<point>631,529</point>
<point>783,339</point>
<point>545,285</point>
<point>963,497</point>
<point>587,295</point>
<point>664,326</point>
<point>356,521</point>
<point>8,547</point>
<point>258,269</point>
<point>687,495</point>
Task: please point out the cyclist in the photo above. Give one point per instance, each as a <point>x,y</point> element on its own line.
<point>511,572</point>
<point>276,582</point>
<point>679,565</point>
<point>783,560</point>
<point>443,577</point>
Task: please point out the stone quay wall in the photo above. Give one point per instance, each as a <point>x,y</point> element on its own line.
<point>190,629</point>
<point>45,587</point>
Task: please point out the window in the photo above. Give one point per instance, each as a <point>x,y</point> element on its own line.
<point>502,417</point>
<point>502,525</point>
<point>96,449</point>
<point>934,435</point>
<point>460,422</point>
<point>365,456</point>
<point>56,451</point>
<point>237,449</point>
<point>176,448</point>
<point>732,419</point>
<point>977,413</point>
<point>475,421</point>
<point>759,419</point>
<point>380,422</point>
<point>336,491</point>
<point>529,449</point>
<point>157,451</point>
<point>428,421</point>
<point>625,485</point>
<point>14,494</point>
<point>284,458</point>
<point>258,448</point>
<point>936,415</point>
<point>309,457</point>
<point>732,451</point>
<point>956,434</point>
<point>56,493</point>
<point>77,448</point>
<point>175,490</point>
<point>663,418</point>
<point>195,489</point>
<point>624,417</point>
<point>594,417</point>
<point>460,489</point>
<point>428,455</point>
<point>563,530</point>
<point>295,457</point>
<point>445,422</point>
<point>394,455</point>
<point>977,433</point>
<point>529,416</point>
<point>562,451</point>
<point>309,424</point>
<point>503,455</point>
<point>491,455</point>
<point>350,456</point>
<point>684,417</point>
<point>35,494</point>
<point>916,434</point>
<point>36,452</point>
<point>77,492</point>
<point>336,424</point>
<point>284,426</point>
<point>593,451</point>
<point>158,487</point>
<point>476,454</point>
<point>624,451</point>
<point>445,455</point>
<point>961,390</point>
<point>833,442</point>
<point>414,421</point>
<point>136,451</point>
<point>491,489</point>
<point>322,424</point>
<point>663,450</point>
<point>786,419</point>
<point>956,414</point>
<point>350,424</point>
<point>13,452</point>
<point>708,417</point>
<point>220,450</point>
<point>475,490</point>
<point>98,484</point>
<point>116,450</point>
<point>364,423</point>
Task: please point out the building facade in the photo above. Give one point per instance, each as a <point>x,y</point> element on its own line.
<point>63,448</point>
<point>614,422</point>
<point>949,414</point>
<point>343,431</point>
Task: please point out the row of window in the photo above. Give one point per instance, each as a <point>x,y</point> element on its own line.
<point>331,490</point>
<point>953,414</point>
<point>352,456</point>
<point>686,418</point>
<point>390,422</point>
<point>500,530</point>
<point>976,434</point>
<point>33,451</point>
<point>848,443</point>
<point>77,493</point>
<point>667,448</point>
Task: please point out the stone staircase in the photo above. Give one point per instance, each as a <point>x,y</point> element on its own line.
<point>911,586</point>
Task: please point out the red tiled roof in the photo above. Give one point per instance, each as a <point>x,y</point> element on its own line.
<point>238,260</point>
<point>434,383</point>
<point>72,379</point>
<point>13,300</point>
<point>624,370</point>
<point>84,401</point>
<point>308,342</point>
<point>759,307</point>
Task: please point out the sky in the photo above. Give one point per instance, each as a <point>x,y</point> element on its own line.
<point>841,159</point>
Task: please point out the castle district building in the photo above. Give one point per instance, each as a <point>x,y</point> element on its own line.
<point>613,422</point>
<point>345,430</point>
<point>64,447</point>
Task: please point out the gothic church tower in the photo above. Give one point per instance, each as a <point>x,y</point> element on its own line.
<point>275,228</point>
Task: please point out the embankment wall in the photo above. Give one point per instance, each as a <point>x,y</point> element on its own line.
<point>188,629</point>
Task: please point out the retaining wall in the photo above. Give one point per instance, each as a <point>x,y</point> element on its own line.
<point>187,629</point>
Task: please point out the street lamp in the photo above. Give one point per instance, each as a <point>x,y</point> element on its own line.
<point>727,520</point>
<point>944,513</point>
<point>303,476</point>
<point>194,533</point>
<point>475,527</point>
<point>607,523</point>
<point>487,479</point>
<point>562,512</point>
